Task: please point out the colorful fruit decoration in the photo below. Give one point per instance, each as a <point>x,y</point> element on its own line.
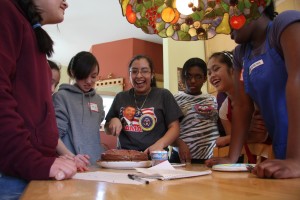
<point>224,27</point>
<point>124,4</point>
<point>177,15</point>
<point>152,15</point>
<point>209,18</point>
<point>131,18</point>
<point>237,19</point>
<point>237,22</point>
<point>130,15</point>
<point>168,14</point>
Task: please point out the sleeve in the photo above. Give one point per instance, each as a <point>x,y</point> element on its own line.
<point>224,110</point>
<point>61,113</point>
<point>280,23</point>
<point>172,110</point>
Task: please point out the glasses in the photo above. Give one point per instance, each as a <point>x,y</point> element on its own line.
<point>196,77</point>
<point>135,72</point>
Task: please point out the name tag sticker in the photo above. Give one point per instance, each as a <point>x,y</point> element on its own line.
<point>94,107</point>
<point>256,64</point>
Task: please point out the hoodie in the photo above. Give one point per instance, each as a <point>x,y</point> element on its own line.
<point>78,117</point>
<point>28,133</point>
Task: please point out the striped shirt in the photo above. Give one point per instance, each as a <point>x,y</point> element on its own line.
<point>198,128</point>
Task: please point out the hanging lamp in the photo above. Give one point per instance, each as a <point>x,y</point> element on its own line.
<point>191,20</point>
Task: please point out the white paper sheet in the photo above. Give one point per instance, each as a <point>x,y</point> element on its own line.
<point>164,170</point>
<point>109,177</point>
<point>168,172</point>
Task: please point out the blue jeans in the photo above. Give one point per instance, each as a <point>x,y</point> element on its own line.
<point>11,188</point>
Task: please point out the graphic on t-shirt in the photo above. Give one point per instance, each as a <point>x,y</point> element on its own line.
<point>128,115</point>
<point>147,122</point>
<point>134,121</point>
<point>204,111</point>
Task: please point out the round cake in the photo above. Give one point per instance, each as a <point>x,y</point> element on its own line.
<point>123,155</point>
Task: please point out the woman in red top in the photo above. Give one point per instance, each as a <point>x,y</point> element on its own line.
<point>28,134</point>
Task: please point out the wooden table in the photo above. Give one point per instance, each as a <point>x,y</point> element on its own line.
<point>218,185</point>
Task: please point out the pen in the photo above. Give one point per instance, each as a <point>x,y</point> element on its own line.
<point>249,168</point>
<point>136,178</point>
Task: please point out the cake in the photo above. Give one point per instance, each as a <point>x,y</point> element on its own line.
<point>123,155</point>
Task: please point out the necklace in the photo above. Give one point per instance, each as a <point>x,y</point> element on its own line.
<point>139,109</point>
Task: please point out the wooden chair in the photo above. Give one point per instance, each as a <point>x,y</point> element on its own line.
<point>220,151</point>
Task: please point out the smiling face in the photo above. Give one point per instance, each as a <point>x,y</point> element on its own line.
<point>220,75</point>
<point>52,11</point>
<point>129,112</point>
<point>140,76</point>
<point>88,83</point>
<point>194,80</point>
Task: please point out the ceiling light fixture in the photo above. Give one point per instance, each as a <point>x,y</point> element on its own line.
<point>186,7</point>
<point>191,20</point>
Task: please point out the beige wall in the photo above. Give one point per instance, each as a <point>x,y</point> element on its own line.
<point>282,5</point>
<point>220,42</point>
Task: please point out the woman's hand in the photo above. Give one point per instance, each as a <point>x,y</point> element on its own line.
<point>114,127</point>
<point>62,168</point>
<point>288,168</point>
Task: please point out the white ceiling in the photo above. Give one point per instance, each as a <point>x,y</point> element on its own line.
<point>89,22</point>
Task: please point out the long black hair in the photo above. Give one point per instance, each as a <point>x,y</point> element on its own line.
<point>33,15</point>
